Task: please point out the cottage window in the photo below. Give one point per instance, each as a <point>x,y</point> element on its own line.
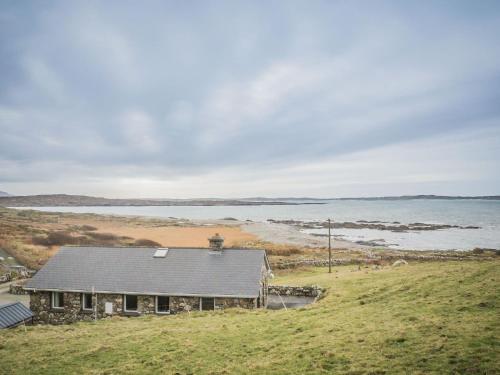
<point>57,300</point>
<point>162,304</point>
<point>130,302</point>
<point>87,301</point>
<point>207,303</point>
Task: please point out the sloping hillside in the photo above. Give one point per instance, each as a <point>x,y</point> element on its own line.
<point>422,318</point>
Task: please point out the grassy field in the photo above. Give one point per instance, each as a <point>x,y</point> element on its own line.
<point>423,318</point>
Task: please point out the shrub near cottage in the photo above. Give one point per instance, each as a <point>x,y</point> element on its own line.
<point>147,243</point>
<point>55,239</point>
<point>89,238</point>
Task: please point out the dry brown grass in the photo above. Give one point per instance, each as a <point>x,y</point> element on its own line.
<point>32,237</point>
<point>173,236</point>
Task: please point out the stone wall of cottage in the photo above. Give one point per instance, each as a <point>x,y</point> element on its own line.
<point>115,299</point>
<point>40,304</point>
<point>244,303</point>
<point>180,304</point>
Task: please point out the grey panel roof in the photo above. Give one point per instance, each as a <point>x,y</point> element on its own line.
<point>182,272</point>
<point>13,314</point>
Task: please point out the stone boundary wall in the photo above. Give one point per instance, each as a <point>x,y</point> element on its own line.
<point>313,263</point>
<point>372,260</point>
<point>18,289</point>
<point>12,275</point>
<point>299,291</point>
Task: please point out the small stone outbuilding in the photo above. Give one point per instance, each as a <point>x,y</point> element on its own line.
<point>86,283</point>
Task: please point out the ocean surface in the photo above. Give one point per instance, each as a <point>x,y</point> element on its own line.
<point>482,213</point>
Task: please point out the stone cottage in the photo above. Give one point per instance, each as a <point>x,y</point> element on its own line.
<point>85,283</point>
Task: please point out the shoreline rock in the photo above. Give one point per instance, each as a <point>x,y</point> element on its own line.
<point>376,225</point>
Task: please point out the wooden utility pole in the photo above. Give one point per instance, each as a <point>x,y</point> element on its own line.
<point>329,248</point>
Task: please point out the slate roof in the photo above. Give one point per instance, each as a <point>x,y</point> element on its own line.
<point>13,314</point>
<point>182,272</point>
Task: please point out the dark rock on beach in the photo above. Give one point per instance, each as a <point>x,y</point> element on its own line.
<point>376,225</point>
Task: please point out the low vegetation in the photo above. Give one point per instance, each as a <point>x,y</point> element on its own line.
<point>280,250</point>
<point>422,318</point>
<point>32,237</point>
<point>147,243</point>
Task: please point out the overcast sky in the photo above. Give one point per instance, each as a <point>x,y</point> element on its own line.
<point>256,98</point>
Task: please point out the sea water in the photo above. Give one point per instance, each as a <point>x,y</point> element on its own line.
<point>482,213</point>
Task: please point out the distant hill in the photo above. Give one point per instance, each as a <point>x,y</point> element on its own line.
<point>391,198</point>
<point>409,197</point>
<point>54,200</point>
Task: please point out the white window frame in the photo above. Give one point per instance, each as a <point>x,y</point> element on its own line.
<point>201,303</point>
<point>52,299</point>
<point>156,306</point>
<point>91,308</point>
<point>125,303</point>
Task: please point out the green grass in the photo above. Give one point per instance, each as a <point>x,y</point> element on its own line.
<point>423,318</point>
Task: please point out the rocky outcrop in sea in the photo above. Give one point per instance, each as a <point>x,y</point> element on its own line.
<point>377,225</point>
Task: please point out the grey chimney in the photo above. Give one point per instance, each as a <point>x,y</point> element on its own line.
<point>216,242</point>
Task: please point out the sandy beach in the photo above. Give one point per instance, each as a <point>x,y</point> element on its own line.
<point>195,233</point>
<point>173,233</point>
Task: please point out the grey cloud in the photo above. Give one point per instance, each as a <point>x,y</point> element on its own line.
<point>175,89</point>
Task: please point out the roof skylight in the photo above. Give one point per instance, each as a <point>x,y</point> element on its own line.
<point>160,253</point>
